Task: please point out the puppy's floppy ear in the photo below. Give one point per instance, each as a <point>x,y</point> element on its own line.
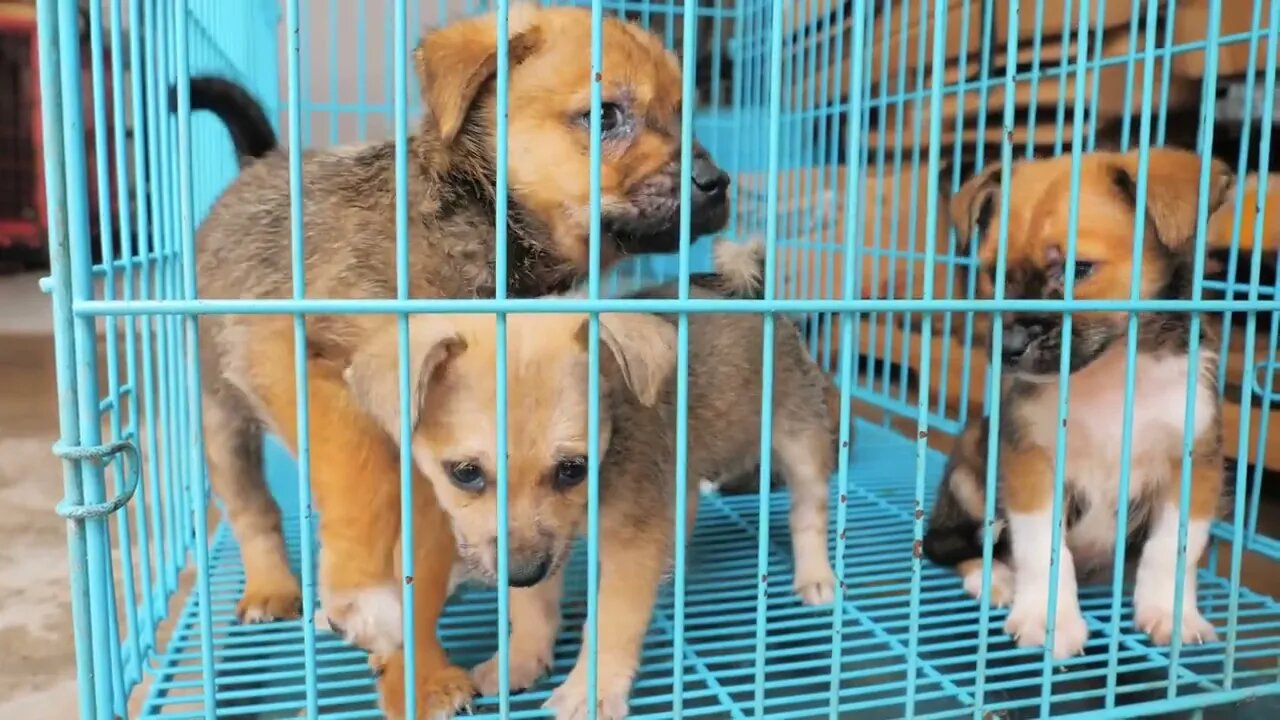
<point>1173,191</point>
<point>971,208</point>
<point>643,348</point>
<point>374,372</point>
<point>455,61</point>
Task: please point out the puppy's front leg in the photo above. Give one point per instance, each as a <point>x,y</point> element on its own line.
<point>535,620</point>
<point>632,565</point>
<point>1028,491</point>
<point>1158,569</point>
<point>356,484</point>
<point>442,688</point>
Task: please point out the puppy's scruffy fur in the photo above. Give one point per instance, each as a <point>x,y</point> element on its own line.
<point>1038,213</point>
<point>453,445</point>
<point>349,209</point>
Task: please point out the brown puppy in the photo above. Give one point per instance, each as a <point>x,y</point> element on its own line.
<point>1038,215</point>
<point>349,201</point>
<point>453,359</point>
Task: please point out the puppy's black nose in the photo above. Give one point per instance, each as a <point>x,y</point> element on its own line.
<point>708,177</point>
<point>526,572</point>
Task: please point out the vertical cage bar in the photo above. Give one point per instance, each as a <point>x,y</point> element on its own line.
<point>860,16</point>
<point>1207,104</point>
<point>1057,542</point>
<point>362,71</point>
<point>1131,355</point>
<point>298,272</point>
<point>502,112</point>
<point>400,129</point>
<point>995,371</point>
<point>97,539</point>
<point>64,342</point>
<point>194,437</point>
<point>154,328</point>
<point>926,339</point>
<point>335,97</point>
<point>102,168</point>
<point>1239,538</point>
<point>144,620</point>
<point>689,96</point>
<point>766,370</point>
<point>590,632</point>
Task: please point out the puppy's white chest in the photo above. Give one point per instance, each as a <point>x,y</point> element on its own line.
<point>1095,417</point>
<point>1094,432</point>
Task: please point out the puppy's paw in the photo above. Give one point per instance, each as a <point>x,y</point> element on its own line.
<point>569,701</point>
<point>522,672</point>
<point>1157,620</point>
<point>277,598</point>
<point>1001,585</point>
<point>441,693</point>
<point>368,617</point>
<point>816,586</point>
<point>1027,622</point>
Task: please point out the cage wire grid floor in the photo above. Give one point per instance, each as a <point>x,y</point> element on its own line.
<point>260,672</point>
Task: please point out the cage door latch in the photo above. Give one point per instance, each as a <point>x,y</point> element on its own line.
<point>101,454</point>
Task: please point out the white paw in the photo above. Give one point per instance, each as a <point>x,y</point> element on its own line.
<point>569,701</point>
<point>1027,622</point>
<point>1001,585</point>
<point>368,618</point>
<point>522,672</point>
<point>1157,621</point>
<point>816,586</point>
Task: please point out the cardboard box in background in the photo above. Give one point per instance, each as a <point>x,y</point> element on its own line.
<point>898,53</point>
<point>1191,25</point>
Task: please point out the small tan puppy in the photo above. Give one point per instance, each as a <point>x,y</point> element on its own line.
<point>1038,212</point>
<point>349,208</point>
<point>452,359</point>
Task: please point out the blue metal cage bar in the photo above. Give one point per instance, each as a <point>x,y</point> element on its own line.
<point>830,108</point>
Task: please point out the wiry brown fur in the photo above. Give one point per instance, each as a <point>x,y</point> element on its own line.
<point>1038,217</point>
<point>349,209</point>
<point>454,421</point>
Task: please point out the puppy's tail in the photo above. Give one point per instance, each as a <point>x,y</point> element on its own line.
<point>246,120</point>
<point>739,269</point>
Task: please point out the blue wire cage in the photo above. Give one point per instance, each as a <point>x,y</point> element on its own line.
<point>843,122</point>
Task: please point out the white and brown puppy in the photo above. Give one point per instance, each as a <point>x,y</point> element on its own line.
<point>453,359</point>
<point>1038,215</point>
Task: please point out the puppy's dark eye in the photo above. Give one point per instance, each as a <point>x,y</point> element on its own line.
<point>1084,269</point>
<point>570,472</point>
<point>466,475</point>
<point>612,118</point>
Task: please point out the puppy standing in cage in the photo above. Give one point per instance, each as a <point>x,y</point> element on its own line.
<point>1038,215</point>
<point>453,446</point>
<point>349,207</point>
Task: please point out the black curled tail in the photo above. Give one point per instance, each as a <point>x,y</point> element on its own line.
<point>246,120</point>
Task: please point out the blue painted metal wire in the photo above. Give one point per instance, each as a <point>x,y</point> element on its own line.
<point>820,94</point>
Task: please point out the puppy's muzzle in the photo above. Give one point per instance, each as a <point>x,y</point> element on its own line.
<point>529,570</point>
<point>1018,337</point>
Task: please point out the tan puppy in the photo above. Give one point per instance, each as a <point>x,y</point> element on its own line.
<point>1038,212</point>
<point>349,204</point>
<point>452,358</point>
